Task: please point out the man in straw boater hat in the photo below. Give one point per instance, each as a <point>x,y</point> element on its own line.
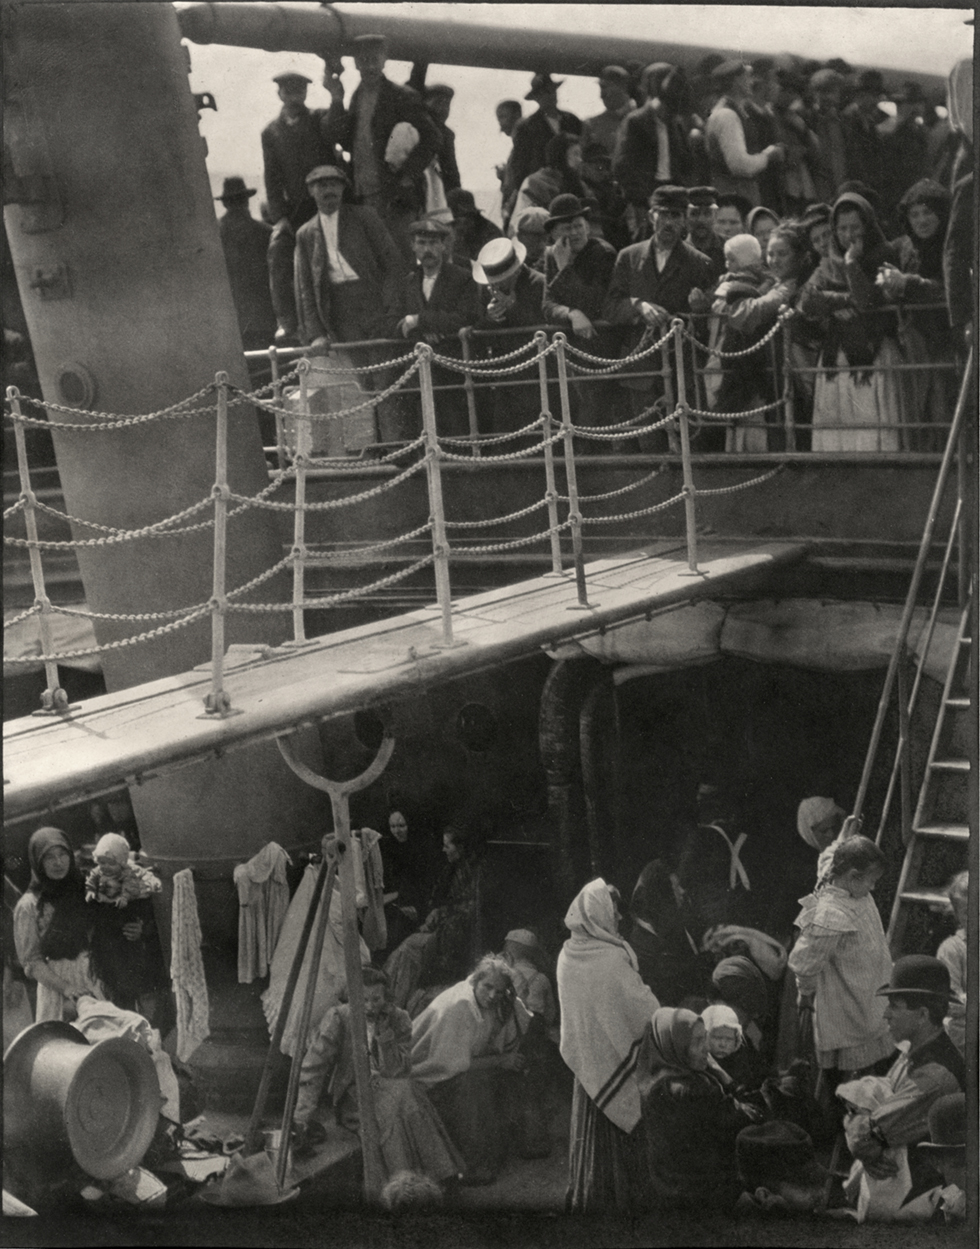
<point>393,185</point>
<point>292,144</point>
<point>245,243</point>
<point>930,1068</point>
<point>512,298</point>
<point>431,303</point>
<point>651,283</point>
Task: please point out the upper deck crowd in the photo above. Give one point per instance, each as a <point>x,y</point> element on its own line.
<point>729,196</point>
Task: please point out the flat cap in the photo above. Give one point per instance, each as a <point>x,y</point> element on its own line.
<point>327,173</point>
<point>670,197</point>
<point>702,195</point>
<point>729,69</point>
<point>432,225</point>
<point>369,41</point>
<point>614,73</point>
<point>288,76</point>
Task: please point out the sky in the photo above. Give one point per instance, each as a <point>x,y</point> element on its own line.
<point>928,40</point>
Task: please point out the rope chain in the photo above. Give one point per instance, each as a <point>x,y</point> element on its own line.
<point>735,355</point>
<point>334,600</point>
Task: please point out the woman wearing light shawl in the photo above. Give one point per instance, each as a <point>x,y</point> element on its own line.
<point>689,1122</point>
<point>605,1007</point>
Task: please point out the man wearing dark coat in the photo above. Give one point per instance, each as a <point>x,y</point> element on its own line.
<point>292,144</point>
<point>391,182</point>
<point>471,230</point>
<point>431,304</point>
<point>650,284</point>
<point>245,243</point>
<point>438,101</point>
<point>533,133</point>
<point>653,147</point>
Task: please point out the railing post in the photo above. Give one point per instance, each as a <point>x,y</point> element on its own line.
<point>903,746</point>
<point>789,403</point>
<point>668,376</point>
<point>218,702</point>
<point>300,460</point>
<point>551,493</point>
<point>277,402</point>
<point>437,511</point>
<point>690,492</point>
<point>54,700</point>
<point>574,514</point>
<point>468,387</point>
<point>964,488</point>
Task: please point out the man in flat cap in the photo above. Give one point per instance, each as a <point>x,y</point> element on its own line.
<point>702,205</point>
<point>931,1067</point>
<point>431,303</point>
<point>653,146</point>
<point>651,283</point>
<point>245,243</point>
<point>614,91</point>
<point>292,144</point>
<point>904,147</point>
<point>532,134</point>
<point>388,176</point>
<point>734,156</point>
<point>438,102</point>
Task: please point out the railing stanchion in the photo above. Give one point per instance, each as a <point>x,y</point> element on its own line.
<point>690,504</point>
<point>304,441</point>
<point>217,702</point>
<point>277,402</point>
<point>54,699</point>
<point>574,514</point>
<point>668,376</point>
<point>468,387</point>
<point>551,488</point>
<point>903,746</point>
<point>964,489</point>
<point>437,511</point>
<point>789,403</point>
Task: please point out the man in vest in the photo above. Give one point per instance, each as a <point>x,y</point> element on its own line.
<point>733,157</point>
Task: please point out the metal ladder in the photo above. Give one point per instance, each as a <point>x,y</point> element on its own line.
<point>940,812</point>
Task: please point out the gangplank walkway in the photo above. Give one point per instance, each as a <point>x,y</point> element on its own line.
<point>141,732</point>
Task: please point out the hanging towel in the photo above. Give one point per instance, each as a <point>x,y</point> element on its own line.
<point>187,968</point>
<point>330,975</point>
<point>263,899</point>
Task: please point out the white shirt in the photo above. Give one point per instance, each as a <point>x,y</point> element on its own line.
<point>340,270</point>
<point>661,257</point>
<point>427,285</point>
<point>663,151</point>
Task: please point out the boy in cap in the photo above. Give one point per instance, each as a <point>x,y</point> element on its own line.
<point>532,134</point>
<point>292,144</point>
<point>395,190</point>
<point>778,1169</point>
<point>614,91</point>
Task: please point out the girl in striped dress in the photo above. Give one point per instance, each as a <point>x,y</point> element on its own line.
<point>841,960</point>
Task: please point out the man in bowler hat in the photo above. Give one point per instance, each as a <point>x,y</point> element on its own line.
<point>533,133</point>
<point>245,243</point>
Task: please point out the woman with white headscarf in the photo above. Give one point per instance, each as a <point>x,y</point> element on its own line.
<point>605,1008</point>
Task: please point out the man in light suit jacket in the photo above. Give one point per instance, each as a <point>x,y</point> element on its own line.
<point>346,264</point>
<point>432,303</point>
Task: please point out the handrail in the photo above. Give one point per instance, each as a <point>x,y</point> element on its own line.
<point>925,545</point>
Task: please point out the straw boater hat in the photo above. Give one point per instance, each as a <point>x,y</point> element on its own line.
<point>498,260</point>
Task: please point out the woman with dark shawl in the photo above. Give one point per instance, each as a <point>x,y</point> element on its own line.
<point>924,333</point>
<point>689,1122</point>
<point>605,1007</point>
<point>53,927</point>
<point>858,397</point>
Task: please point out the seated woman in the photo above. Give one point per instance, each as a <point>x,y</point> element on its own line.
<point>559,175</point>
<point>924,333</point>
<point>467,1049</point>
<point>53,928</point>
<point>405,856</point>
<point>412,1135</point>
<point>689,1122</point>
<point>738,983</point>
<point>444,948</point>
<point>666,953</point>
<point>858,402</point>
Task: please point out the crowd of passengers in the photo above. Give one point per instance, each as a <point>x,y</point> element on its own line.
<point>729,196</point>
<point>708,1062</point>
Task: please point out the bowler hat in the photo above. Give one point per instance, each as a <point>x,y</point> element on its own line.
<point>327,173</point>
<point>947,1124</point>
<point>702,195</point>
<point>289,75</point>
<point>566,208</point>
<point>774,1153</point>
<point>431,225</point>
<point>439,88</point>
<point>917,975</point>
<point>498,260</point>
<point>235,188</point>
<point>542,84</point>
<point>462,203</point>
<point>729,69</point>
<point>671,197</point>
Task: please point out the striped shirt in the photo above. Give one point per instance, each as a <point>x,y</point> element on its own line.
<point>842,958</point>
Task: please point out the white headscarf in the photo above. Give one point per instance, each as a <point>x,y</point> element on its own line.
<point>721,1016</point>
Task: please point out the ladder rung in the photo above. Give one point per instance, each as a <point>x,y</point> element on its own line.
<point>966,641</point>
<point>927,897</point>
<point>954,832</point>
<point>963,704</point>
<point>951,765</point>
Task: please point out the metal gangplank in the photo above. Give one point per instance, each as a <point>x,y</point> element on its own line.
<point>147,730</point>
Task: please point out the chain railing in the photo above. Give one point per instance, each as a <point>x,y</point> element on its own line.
<point>679,379</point>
